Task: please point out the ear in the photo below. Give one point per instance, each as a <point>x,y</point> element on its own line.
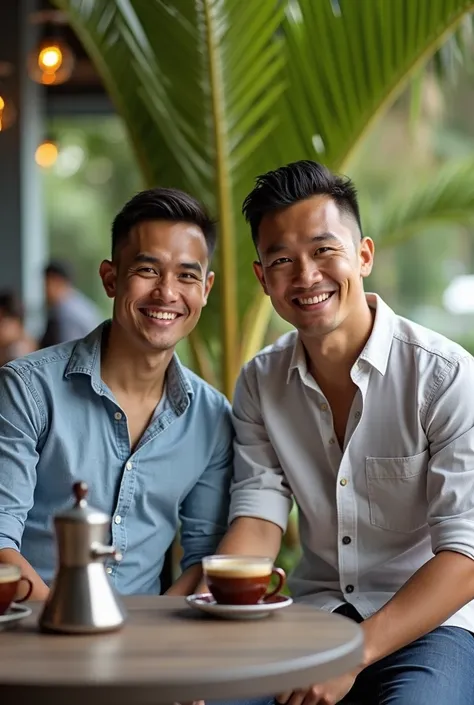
<point>108,274</point>
<point>366,256</point>
<point>258,269</point>
<point>208,285</point>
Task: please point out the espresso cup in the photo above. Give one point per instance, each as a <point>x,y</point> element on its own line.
<point>10,578</point>
<point>241,580</point>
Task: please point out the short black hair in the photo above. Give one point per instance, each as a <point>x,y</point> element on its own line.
<point>162,204</point>
<point>11,306</point>
<point>296,182</point>
<point>59,268</point>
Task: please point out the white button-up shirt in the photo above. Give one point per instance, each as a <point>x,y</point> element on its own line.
<point>401,488</point>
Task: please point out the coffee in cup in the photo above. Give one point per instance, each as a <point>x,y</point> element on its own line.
<point>241,580</point>
<point>10,578</point>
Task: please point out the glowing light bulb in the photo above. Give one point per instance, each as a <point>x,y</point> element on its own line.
<point>51,62</point>
<point>50,58</point>
<point>46,154</point>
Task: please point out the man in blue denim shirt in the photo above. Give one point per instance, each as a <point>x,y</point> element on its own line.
<point>118,410</point>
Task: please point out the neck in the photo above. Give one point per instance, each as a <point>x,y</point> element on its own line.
<point>334,355</point>
<point>129,370</point>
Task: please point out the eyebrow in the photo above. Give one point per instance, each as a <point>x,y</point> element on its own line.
<point>280,247</point>
<point>144,258</point>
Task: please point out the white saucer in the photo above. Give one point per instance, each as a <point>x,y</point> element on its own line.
<point>206,603</point>
<point>14,614</point>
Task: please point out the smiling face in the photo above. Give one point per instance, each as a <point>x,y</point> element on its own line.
<point>160,283</point>
<point>312,264</point>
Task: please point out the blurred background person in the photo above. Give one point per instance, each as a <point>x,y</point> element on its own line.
<point>14,340</point>
<point>71,314</point>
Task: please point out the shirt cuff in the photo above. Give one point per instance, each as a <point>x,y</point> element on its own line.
<point>194,550</point>
<point>11,531</point>
<point>261,504</point>
<point>453,535</point>
<point>8,543</point>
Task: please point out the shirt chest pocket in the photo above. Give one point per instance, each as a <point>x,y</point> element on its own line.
<point>397,492</point>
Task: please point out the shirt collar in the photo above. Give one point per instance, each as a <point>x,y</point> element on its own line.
<point>376,350</point>
<point>298,360</point>
<point>85,359</point>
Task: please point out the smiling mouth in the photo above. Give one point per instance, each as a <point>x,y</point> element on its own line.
<point>312,302</point>
<point>160,315</point>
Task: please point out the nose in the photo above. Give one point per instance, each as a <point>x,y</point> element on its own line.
<point>165,290</point>
<point>307,273</point>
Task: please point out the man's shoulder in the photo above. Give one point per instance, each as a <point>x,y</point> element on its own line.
<point>53,360</point>
<point>274,358</point>
<point>426,341</point>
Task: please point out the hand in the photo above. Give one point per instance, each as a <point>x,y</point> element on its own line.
<point>327,693</point>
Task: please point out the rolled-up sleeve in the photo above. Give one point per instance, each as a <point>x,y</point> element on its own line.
<point>259,487</point>
<point>204,512</point>
<point>450,482</point>
<point>20,427</point>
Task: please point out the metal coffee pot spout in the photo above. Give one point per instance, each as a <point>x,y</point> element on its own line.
<point>82,599</point>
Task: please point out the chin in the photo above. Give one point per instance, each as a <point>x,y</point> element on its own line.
<point>316,329</point>
<point>161,345</point>
<point>150,343</point>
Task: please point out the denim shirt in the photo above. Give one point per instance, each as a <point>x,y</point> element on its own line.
<point>59,423</point>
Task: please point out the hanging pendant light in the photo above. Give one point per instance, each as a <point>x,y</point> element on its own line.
<point>52,60</point>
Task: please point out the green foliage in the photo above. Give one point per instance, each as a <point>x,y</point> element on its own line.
<point>95,174</point>
<point>445,197</point>
<point>214,92</point>
<point>347,61</point>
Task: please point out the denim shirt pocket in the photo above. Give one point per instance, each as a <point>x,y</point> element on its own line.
<point>397,492</point>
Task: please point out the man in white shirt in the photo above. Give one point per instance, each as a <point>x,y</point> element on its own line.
<point>366,420</point>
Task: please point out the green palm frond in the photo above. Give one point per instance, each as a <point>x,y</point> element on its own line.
<point>346,61</point>
<point>447,196</point>
<point>214,92</point>
<point>197,84</point>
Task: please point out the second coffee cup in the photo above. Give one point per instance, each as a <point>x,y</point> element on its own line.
<point>241,580</point>
<point>10,578</point>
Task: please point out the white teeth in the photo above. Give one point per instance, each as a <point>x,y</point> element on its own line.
<point>166,315</point>
<point>314,299</point>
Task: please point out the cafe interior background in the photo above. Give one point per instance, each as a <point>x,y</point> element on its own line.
<point>99,99</point>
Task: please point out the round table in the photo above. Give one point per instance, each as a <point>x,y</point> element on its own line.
<point>169,653</point>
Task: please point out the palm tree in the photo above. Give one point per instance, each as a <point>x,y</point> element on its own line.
<point>214,92</point>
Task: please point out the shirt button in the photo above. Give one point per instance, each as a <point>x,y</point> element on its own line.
<point>349,588</point>
<point>346,540</point>
<point>324,407</point>
<point>117,415</point>
<point>129,465</point>
<point>343,482</point>
<point>357,414</point>
<point>331,441</point>
<point>108,570</point>
<point>118,519</point>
